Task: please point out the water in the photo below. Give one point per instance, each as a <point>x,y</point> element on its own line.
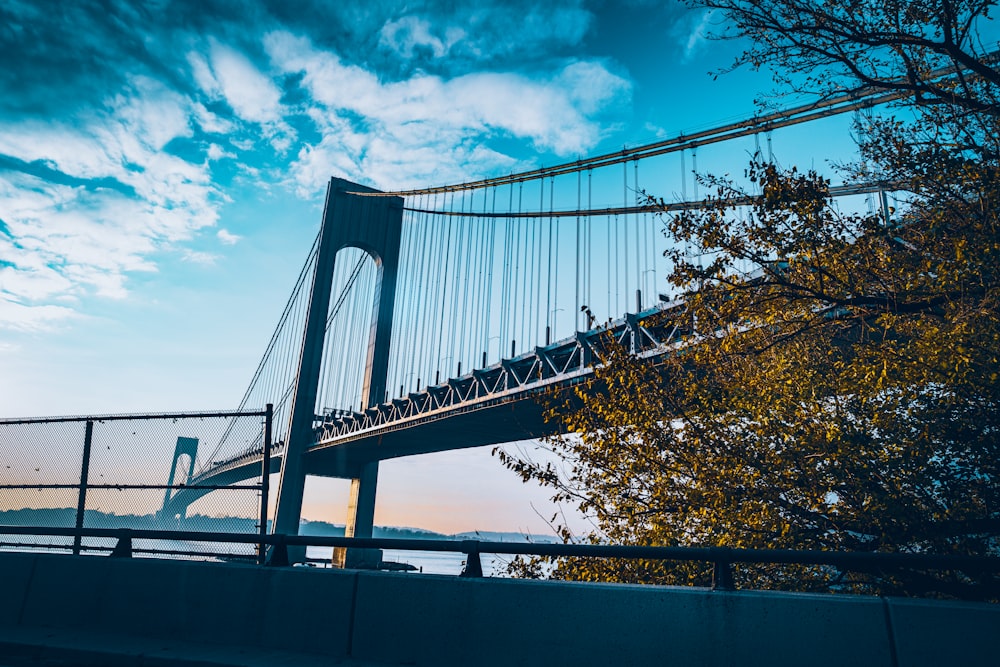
<point>141,548</point>
<point>429,562</point>
<point>426,562</point>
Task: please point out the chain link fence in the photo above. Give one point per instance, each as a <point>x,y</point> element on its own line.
<point>139,472</point>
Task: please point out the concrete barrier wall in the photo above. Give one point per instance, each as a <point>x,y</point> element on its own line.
<point>443,621</point>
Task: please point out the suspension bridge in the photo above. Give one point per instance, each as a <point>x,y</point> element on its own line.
<point>432,319</point>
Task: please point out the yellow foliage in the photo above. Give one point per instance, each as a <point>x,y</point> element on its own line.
<point>842,397</point>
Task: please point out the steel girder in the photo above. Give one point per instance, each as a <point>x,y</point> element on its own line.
<point>559,365</point>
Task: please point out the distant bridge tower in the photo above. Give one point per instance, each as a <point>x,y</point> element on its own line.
<point>185,447</point>
<point>374,225</point>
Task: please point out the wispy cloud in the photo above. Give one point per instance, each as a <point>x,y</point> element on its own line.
<point>227,238</point>
<point>199,257</point>
<point>390,131</point>
<point>410,34</point>
<point>697,36</point>
<point>99,195</point>
<point>229,75</point>
<point>478,34</point>
<point>19,317</point>
<point>126,143</point>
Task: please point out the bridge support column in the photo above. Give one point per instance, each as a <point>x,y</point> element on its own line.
<point>360,520</point>
<point>373,224</point>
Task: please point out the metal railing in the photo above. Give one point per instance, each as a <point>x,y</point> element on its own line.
<point>722,559</point>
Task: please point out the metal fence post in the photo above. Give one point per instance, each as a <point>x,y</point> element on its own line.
<point>81,505</point>
<point>123,548</point>
<point>722,570</point>
<point>265,482</point>
<point>473,566</point>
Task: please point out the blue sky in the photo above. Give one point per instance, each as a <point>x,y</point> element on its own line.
<point>163,164</point>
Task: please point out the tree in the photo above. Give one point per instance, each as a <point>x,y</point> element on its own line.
<point>848,45</point>
<point>837,382</point>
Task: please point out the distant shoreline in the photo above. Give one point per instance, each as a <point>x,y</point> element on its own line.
<point>65,517</point>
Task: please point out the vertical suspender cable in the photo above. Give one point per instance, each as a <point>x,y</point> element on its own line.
<point>469,310</point>
<point>687,244</point>
<point>555,286</point>
<point>640,256</point>
<point>610,264</point>
<point>529,286</point>
<point>479,305</point>
<point>625,240</point>
<point>588,265</point>
<point>415,314</point>
<point>475,268</point>
<point>444,292</point>
<point>576,280</point>
<point>694,168</point>
<point>684,193</point>
<point>548,266</point>
<point>461,284</point>
<point>505,287</point>
<point>650,223</point>
<point>475,339</point>
<point>537,286</point>
<point>421,316</point>
<point>489,279</point>
<point>517,307</point>
<point>433,276</point>
<point>401,306</point>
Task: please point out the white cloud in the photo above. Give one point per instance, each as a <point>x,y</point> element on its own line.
<point>486,30</point>
<point>65,242</point>
<point>410,33</point>
<point>418,128</point>
<point>217,152</point>
<point>125,195</point>
<point>211,122</point>
<point>19,317</point>
<point>198,257</point>
<point>70,242</point>
<point>698,36</point>
<point>229,75</point>
<point>227,238</point>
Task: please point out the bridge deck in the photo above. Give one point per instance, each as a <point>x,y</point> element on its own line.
<point>502,403</point>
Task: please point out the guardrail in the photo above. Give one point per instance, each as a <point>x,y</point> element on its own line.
<point>722,558</point>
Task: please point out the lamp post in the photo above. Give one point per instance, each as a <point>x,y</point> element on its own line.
<point>548,327</point>
<point>437,375</point>
<point>638,295</point>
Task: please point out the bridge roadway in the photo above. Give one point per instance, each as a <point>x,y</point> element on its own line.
<point>501,403</point>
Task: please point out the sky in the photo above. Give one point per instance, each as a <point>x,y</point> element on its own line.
<point>163,166</point>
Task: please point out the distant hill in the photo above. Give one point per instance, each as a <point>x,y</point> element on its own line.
<point>65,517</point>
<point>493,536</point>
<point>322,528</point>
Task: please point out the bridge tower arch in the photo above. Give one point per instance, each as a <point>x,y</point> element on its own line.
<point>374,225</point>
<point>185,447</point>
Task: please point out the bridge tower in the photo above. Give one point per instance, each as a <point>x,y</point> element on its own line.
<point>374,225</point>
<point>185,447</point>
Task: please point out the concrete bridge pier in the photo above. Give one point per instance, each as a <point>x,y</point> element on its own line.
<point>360,520</point>
<point>351,218</point>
